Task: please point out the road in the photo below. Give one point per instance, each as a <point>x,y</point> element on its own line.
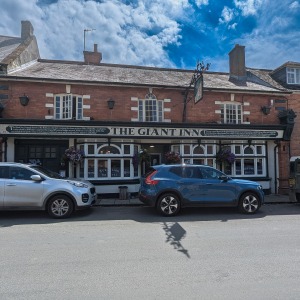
<point>133,253</point>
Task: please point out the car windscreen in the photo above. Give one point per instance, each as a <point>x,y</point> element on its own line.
<point>46,172</point>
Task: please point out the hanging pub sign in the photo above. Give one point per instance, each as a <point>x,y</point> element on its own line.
<point>198,89</point>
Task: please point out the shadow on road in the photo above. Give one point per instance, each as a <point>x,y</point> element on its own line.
<point>145,214</point>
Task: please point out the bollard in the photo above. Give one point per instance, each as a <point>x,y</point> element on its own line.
<point>123,192</point>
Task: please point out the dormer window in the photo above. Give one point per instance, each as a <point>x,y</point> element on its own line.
<point>293,75</point>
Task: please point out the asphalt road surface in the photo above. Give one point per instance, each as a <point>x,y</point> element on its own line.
<point>133,253</point>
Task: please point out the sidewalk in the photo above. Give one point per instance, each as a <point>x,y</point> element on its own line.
<point>269,199</point>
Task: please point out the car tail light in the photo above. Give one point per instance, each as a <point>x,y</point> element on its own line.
<point>149,180</point>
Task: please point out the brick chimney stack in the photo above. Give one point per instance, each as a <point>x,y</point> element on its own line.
<point>237,66</point>
<point>92,57</point>
<point>26,30</point>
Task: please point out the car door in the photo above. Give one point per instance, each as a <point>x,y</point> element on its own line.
<point>190,185</point>
<point>21,191</point>
<point>3,176</point>
<point>215,189</point>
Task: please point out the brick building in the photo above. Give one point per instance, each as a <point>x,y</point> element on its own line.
<point>118,114</point>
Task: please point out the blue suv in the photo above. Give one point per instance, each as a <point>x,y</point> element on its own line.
<point>172,187</point>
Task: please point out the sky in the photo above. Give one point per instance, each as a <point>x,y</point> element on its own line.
<point>161,33</point>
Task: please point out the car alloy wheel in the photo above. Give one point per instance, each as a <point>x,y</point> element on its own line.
<point>249,203</point>
<point>60,207</point>
<point>168,205</point>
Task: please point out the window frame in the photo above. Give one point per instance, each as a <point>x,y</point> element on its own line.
<point>231,113</point>
<point>150,109</point>
<point>68,107</point>
<point>293,75</point>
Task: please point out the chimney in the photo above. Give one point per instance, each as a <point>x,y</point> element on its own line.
<point>237,67</point>
<point>92,57</point>
<point>27,30</point>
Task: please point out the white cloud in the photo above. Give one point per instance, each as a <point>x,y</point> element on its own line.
<point>125,34</point>
<point>199,3</point>
<point>227,15</point>
<point>248,7</point>
<point>294,5</point>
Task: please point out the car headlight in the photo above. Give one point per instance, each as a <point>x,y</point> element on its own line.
<point>259,187</point>
<point>78,184</point>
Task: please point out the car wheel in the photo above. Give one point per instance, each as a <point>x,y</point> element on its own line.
<point>249,203</point>
<point>60,207</point>
<point>168,204</point>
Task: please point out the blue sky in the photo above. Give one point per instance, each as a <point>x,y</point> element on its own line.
<point>161,33</point>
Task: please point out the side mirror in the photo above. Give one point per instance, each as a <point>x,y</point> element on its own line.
<point>223,177</point>
<point>36,177</point>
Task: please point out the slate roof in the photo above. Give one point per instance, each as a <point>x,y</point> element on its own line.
<point>112,74</point>
<point>7,45</point>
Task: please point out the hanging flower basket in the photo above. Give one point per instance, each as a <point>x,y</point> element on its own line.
<point>225,156</point>
<point>172,157</point>
<point>142,156</point>
<point>73,155</point>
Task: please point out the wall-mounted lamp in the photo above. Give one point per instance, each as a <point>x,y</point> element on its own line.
<point>266,110</point>
<point>24,100</point>
<point>110,103</point>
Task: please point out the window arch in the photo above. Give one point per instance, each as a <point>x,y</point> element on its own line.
<point>109,149</point>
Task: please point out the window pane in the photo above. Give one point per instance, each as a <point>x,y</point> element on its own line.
<point>248,150</point>
<point>210,149</point>
<point>186,149</point>
<point>79,108</point>
<point>249,166</point>
<point>237,149</point>
<point>238,167</point>
<point>260,166</point>
<point>126,168</point>
<point>91,168</point>
<point>198,150</point>
<point>115,168</point>
<point>126,149</point>
<point>102,168</point>
<point>198,161</point>
<point>91,149</point>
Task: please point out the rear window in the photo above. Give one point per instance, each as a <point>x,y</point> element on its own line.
<point>177,171</point>
<point>149,171</point>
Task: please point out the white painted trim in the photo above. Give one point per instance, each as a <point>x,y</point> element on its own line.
<point>50,105</point>
<point>167,109</point>
<point>49,95</point>
<point>68,88</point>
<point>167,100</point>
<point>217,111</point>
<point>134,99</point>
<point>86,97</point>
<point>246,104</point>
<point>218,102</point>
<point>49,117</point>
<point>134,108</point>
<point>87,106</point>
<point>246,113</point>
<point>134,120</point>
<point>86,118</point>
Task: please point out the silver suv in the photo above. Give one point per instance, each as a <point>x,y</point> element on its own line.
<point>31,187</point>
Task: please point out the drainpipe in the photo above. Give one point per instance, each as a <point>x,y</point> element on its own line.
<point>275,164</point>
